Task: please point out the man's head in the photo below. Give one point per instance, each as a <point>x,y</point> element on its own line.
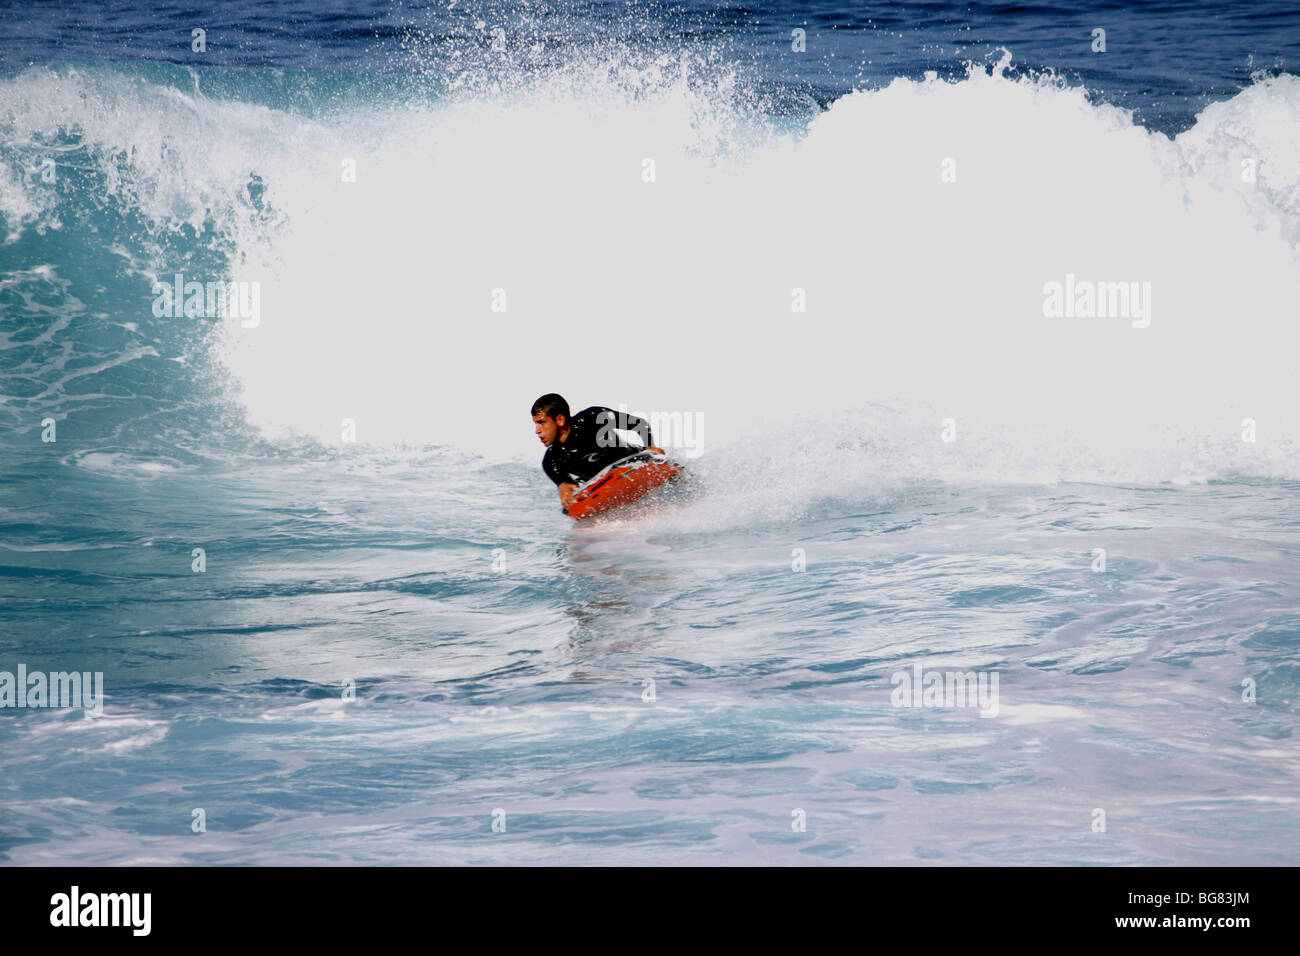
<point>550,417</point>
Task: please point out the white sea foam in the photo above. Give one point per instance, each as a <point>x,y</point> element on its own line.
<point>923,296</point>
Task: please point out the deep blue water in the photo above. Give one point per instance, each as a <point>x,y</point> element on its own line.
<point>1165,61</point>
<point>390,639</point>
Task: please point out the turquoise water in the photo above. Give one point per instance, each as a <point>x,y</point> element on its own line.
<point>523,688</point>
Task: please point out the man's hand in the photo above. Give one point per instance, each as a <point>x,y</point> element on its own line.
<point>566,493</point>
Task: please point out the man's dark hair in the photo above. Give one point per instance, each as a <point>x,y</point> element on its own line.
<point>553,405</point>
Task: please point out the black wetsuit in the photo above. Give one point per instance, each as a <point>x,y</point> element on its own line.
<point>593,444</point>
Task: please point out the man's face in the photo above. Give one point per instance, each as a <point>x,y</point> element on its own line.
<point>547,428</point>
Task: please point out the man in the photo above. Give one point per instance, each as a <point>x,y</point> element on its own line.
<point>578,446</point>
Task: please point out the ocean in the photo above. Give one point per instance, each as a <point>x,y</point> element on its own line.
<point>974,324</point>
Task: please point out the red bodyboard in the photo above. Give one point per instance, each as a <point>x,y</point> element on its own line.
<point>620,484</point>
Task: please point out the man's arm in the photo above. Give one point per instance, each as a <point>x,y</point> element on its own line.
<point>566,493</point>
<point>642,428</point>
<point>607,420</point>
<point>552,470</point>
<point>563,483</point>
<point>631,423</point>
